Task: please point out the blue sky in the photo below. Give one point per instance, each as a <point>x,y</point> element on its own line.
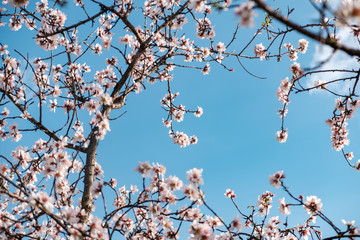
<point>237,147</point>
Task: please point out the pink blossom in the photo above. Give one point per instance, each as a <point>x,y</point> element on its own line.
<point>284,208</point>
<point>68,106</point>
<point>348,12</point>
<point>127,39</point>
<point>194,176</point>
<point>349,155</point>
<point>5,112</point>
<point>4,169</point>
<point>319,84</point>
<point>92,106</point>
<point>213,221</point>
<point>96,188</point>
<point>339,105</point>
<point>174,182</point>
<point>76,166</point>
<point>3,50</point>
<point>264,203</point>
<point>15,23</point>
<point>292,53</point>
<point>97,49</point>
<point>144,169</point>
<point>53,105</point>
<point>198,112</point>
<point>197,5</point>
<point>226,3</point>
<point>338,131</point>
<point>193,140</point>
<point>41,199</point>
<point>230,193</point>
<point>282,112</point>
<point>206,69</point>
<point>313,205</point>
<point>105,99</point>
<point>201,231</point>
<point>181,139</point>
<point>260,51</point>
<point>39,146</point>
<point>357,167</point>
<point>22,155</point>
<point>134,189</point>
<point>348,223</point>
<point>296,70</point>
<point>281,136</point>
<point>204,29</point>
<point>138,87</point>
<point>220,47</point>
<point>275,179</point>
<point>179,22</point>
<point>56,91</point>
<point>192,192</point>
<point>167,123</point>
<point>303,45</point>
<point>236,224</point>
<point>288,46</point>
<point>113,61</point>
<point>179,115</point>
<point>246,13</point>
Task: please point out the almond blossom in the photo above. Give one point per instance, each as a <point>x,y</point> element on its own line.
<point>260,51</point>
<point>284,208</point>
<point>246,13</point>
<point>313,205</point>
<point>276,178</point>
<point>194,176</point>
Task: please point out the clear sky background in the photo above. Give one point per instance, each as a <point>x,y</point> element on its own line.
<point>237,147</point>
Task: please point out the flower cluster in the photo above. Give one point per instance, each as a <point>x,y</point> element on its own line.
<point>284,90</point>
<point>204,29</point>
<point>182,139</point>
<point>286,87</point>
<point>338,123</point>
<point>102,123</point>
<point>292,52</point>
<point>177,113</point>
<point>52,20</point>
